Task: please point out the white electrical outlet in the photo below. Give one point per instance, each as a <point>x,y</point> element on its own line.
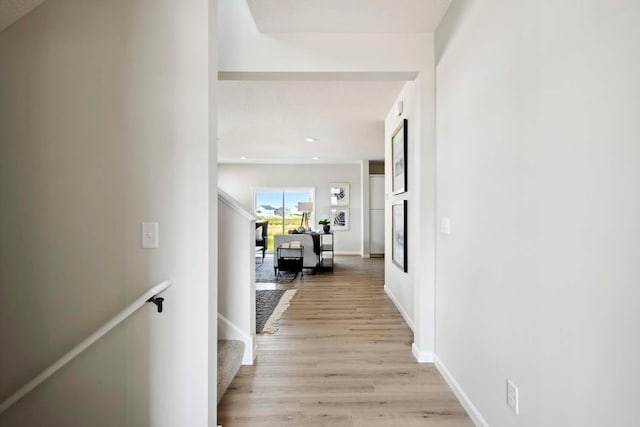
<point>512,397</point>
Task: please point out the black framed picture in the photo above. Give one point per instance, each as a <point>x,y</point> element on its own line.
<point>399,143</point>
<point>399,234</point>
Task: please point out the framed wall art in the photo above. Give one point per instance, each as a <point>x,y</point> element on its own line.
<point>399,235</point>
<point>339,193</point>
<point>399,143</point>
<point>340,219</point>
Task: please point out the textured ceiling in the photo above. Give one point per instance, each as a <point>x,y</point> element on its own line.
<point>268,121</point>
<point>12,10</point>
<point>348,16</point>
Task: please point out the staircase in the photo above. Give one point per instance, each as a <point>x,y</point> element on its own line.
<point>236,290</point>
<point>230,353</point>
<point>236,275</point>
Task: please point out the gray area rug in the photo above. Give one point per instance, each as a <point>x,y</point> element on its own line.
<point>266,302</point>
<point>265,273</point>
<point>270,306</point>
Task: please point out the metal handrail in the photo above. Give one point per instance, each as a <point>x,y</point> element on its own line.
<point>149,296</point>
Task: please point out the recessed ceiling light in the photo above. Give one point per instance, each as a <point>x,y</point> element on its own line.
<point>243,158</point>
<point>316,158</point>
<point>310,139</point>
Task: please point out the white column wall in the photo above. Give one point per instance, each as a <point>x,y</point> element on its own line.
<point>104,124</point>
<point>538,170</point>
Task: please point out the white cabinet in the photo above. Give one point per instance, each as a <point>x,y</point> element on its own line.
<point>376,221</point>
<point>376,192</point>
<point>376,214</point>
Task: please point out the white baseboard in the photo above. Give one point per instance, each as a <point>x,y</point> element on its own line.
<point>421,356</point>
<point>366,256</point>
<point>467,404</point>
<point>347,253</point>
<point>227,330</point>
<point>399,307</point>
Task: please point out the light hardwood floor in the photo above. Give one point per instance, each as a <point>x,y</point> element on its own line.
<point>342,358</point>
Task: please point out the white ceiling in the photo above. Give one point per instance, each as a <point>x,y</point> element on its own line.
<point>12,10</point>
<point>348,16</point>
<point>268,121</point>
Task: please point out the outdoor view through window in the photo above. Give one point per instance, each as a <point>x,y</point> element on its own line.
<point>281,208</point>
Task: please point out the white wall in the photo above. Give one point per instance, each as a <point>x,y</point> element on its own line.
<point>212,260</point>
<point>414,292</point>
<point>538,154</point>
<point>241,180</point>
<point>100,129</point>
<point>237,275</point>
<point>398,284</point>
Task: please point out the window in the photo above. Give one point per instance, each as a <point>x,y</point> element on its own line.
<point>281,207</point>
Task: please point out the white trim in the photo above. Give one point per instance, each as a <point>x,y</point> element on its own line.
<point>399,307</point>
<point>467,404</point>
<point>366,256</point>
<point>347,253</point>
<point>84,344</point>
<point>233,204</point>
<point>228,330</point>
<point>421,356</point>
<point>317,75</point>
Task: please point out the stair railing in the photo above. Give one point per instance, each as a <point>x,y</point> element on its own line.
<point>151,296</point>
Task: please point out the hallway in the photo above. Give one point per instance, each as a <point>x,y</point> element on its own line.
<point>341,358</point>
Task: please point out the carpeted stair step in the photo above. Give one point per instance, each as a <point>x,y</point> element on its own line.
<point>230,353</point>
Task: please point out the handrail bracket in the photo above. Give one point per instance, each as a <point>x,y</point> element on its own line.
<point>150,296</point>
<point>158,301</point>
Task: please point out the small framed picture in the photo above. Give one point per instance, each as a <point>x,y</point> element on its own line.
<point>399,234</point>
<point>399,143</point>
<point>339,192</point>
<point>340,219</point>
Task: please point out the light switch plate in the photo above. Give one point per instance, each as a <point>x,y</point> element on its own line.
<point>445,225</point>
<point>150,238</point>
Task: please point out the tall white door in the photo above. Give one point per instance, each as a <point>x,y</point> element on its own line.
<point>376,214</point>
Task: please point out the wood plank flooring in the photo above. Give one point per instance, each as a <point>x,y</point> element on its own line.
<point>342,358</point>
